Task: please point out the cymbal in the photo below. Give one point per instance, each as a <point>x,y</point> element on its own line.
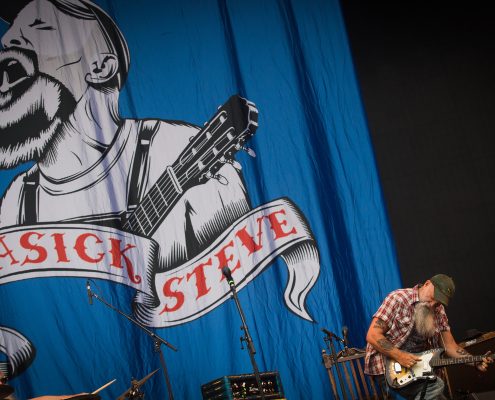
<point>146,378</point>
<point>5,390</point>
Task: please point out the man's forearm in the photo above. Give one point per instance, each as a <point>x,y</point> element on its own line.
<point>378,340</point>
<point>460,352</point>
<point>384,346</point>
<point>376,337</point>
<point>456,351</point>
<point>452,349</point>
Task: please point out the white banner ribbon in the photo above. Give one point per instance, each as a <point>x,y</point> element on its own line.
<point>185,293</point>
<point>75,250</point>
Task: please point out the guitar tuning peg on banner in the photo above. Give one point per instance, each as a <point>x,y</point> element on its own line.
<point>232,162</point>
<point>220,178</point>
<point>236,165</point>
<point>248,150</point>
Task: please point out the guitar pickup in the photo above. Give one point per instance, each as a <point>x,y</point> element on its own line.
<point>397,367</point>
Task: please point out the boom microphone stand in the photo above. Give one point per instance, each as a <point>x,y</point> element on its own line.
<point>247,337</point>
<point>156,339</point>
<point>329,339</point>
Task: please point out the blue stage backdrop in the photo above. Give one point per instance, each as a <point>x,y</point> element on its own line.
<point>113,186</point>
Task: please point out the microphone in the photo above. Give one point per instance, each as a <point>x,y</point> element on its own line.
<point>228,274</point>
<point>90,294</point>
<point>331,335</point>
<point>328,333</point>
<point>345,331</point>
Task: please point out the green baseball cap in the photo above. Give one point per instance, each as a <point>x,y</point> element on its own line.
<point>444,288</point>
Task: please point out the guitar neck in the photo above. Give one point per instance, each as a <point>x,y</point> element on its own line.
<point>212,147</point>
<point>442,362</point>
<point>156,205</point>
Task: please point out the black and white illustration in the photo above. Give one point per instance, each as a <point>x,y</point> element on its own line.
<point>155,204</point>
<point>16,352</point>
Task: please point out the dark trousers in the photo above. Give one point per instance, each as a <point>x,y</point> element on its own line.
<point>434,390</point>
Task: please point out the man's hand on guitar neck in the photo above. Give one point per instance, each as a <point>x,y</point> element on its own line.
<point>454,350</point>
<point>483,365</point>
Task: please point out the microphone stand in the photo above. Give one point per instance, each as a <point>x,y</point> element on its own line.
<point>247,337</point>
<point>156,339</point>
<point>329,340</point>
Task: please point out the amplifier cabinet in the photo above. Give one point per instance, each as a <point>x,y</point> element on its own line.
<point>464,379</point>
<point>244,386</point>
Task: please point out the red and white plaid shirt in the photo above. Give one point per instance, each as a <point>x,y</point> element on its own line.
<point>397,311</point>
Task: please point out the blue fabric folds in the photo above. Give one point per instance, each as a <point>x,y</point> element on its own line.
<point>292,59</point>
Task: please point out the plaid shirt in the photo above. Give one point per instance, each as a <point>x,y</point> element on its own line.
<point>397,311</point>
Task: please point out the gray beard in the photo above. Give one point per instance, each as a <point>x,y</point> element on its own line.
<point>424,320</point>
<point>29,124</point>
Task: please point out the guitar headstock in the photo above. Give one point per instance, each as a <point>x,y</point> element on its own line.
<point>217,142</point>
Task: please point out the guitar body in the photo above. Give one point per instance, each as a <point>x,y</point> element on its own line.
<point>398,376</point>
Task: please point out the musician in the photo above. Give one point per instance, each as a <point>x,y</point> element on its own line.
<point>63,65</point>
<point>410,321</point>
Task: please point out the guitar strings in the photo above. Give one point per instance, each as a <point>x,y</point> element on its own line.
<point>162,195</point>
<point>154,195</point>
<point>160,191</point>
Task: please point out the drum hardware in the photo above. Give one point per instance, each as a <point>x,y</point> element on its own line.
<point>5,391</point>
<point>158,341</point>
<point>103,387</point>
<point>133,393</point>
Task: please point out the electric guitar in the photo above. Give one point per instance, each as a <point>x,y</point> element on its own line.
<point>398,376</point>
<point>213,146</point>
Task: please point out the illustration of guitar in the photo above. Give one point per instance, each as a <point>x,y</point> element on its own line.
<point>214,145</point>
<point>398,376</point>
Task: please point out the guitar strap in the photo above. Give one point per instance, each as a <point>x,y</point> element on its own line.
<point>423,391</point>
<point>140,163</point>
<point>28,210</point>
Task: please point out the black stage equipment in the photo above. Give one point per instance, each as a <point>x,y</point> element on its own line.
<point>237,387</point>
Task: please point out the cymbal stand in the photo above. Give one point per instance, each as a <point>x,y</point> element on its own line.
<point>156,339</point>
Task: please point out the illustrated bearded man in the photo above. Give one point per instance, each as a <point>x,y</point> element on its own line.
<point>62,67</point>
